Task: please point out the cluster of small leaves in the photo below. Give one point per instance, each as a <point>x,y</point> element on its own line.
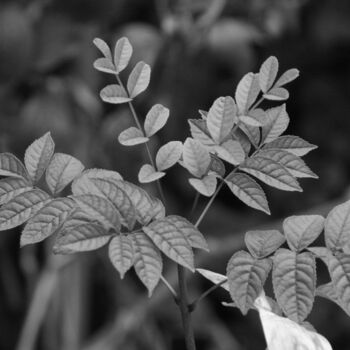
<point>101,209</point>
<point>293,267</point>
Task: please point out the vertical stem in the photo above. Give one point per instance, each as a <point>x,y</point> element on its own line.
<point>184,309</point>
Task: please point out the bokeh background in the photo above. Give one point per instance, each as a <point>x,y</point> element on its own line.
<point>198,50</point>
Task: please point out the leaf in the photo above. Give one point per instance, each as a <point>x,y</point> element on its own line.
<point>268,73</point>
<point>262,243</point>
<point>114,94</point>
<point>337,227</point>
<point>302,230</point>
<point>139,79</point>
<point>292,144</point>
<point>47,221</point>
<point>132,136</point>
<point>295,165</point>
<point>199,132</point>
<point>248,191</point>
<point>100,209</point>
<point>250,120</point>
<point>216,167</point>
<point>21,208</point>
<point>282,333</point>
<point>270,172</point>
<point>122,54</point>
<point>168,155</point>
<point>81,238</point>
<point>191,232</point>
<point>158,209</point>
<point>203,114</point>
<point>10,165</point>
<point>121,253</point>
<point>214,277</point>
<point>287,77</point>
<point>12,187</point>
<point>294,283</point>
<point>38,155</point>
<point>62,170</point>
<point>148,174</point>
<point>156,118</point>
<point>104,65</point>
<point>205,186</point>
<point>247,91</point>
<point>118,197</point>
<point>196,157</point>
<point>246,278</point>
<point>252,132</point>
<point>277,94</point>
<point>103,47</point>
<point>231,151</point>
<point>277,123</point>
<point>102,174</point>
<point>171,241</point>
<point>221,118</point>
<point>147,261</point>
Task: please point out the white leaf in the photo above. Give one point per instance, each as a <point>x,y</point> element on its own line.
<point>47,221</point>
<point>99,209</point>
<point>287,77</point>
<point>231,151</point>
<point>221,118</point>
<point>292,144</point>
<point>148,174</point>
<point>302,230</point>
<point>171,241</point>
<point>82,238</point>
<point>38,155</point>
<point>147,261</point>
<point>247,91</point>
<point>248,191</point>
<point>277,94</point>
<point>122,54</point>
<point>196,157</point>
<point>103,47</point>
<point>295,165</point>
<point>270,172</point>
<point>62,170</point>
<point>139,79</point>
<point>21,208</point>
<point>12,187</point>
<point>121,253</point>
<point>282,333</point>
<point>104,65</point>
<point>277,123</point>
<point>132,136</point>
<point>267,74</point>
<point>262,243</point>
<point>168,155</point>
<point>199,131</point>
<point>205,186</point>
<point>10,165</point>
<point>156,118</point>
<point>214,277</point>
<point>114,94</point>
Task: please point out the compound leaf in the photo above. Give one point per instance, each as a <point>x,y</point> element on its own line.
<point>270,172</point>
<point>247,91</point>
<point>231,151</point>
<point>268,73</point>
<point>139,79</point>
<point>262,243</point>
<point>205,186</point>
<point>62,170</point>
<point>277,123</point>
<point>12,187</point>
<point>38,155</point>
<point>148,174</point>
<point>214,277</point>
<point>294,282</point>
<point>114,94</point>
<point>246,277</point>
<point>168,155</point>
<point>248,191</point>
<point>302,230</point>
<point>47,221</point>
<point>147,261</point>
<point>132,136</point>
<point>155,120</point>
<point>196,157</point>
<point>10,165</point>
<point>121,253</point>
<point>122,54</point>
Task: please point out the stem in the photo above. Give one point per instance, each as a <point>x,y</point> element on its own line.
<point>195,203</point>
<point>185,310</point>
<point>171,289</point>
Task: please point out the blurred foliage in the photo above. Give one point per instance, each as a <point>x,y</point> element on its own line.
<point>198,50</point>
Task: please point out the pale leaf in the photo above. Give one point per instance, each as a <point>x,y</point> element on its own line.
<point>247,91</point>
<point>196,157</point>
<point>10,165</point>
<point>214,277</point>
<point>132,136</point>
<point>114,94</point>
<point>168,155</point>
<point>205,186</point>
<point>148,174</point>
<point>156,118</point>
<point>103,47</point>
<point>277,94</point>
<point>122,54</point>
<point>287,77</point>
<point>139,79</point>
<point>199,131</point>
<point>277,123</point>
<point>12,187</point>
<point>104,65</point>
<point>267,74</point>
<point>121,253</point>
<point>262,243</point>
<point>217,167</point>
<point>231,151</point>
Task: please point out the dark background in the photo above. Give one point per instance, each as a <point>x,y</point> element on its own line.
<point>198,50</point>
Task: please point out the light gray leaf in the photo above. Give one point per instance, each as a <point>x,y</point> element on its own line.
<point>277,94</point>
<point>114,94</point>
<point>287,77</point>
<point>217,167</point>
<point>122,54</point>
<point>12,187</point>
<point>214,277</point>
<point>132,136</point>
<point>168,155</point>
<point>252,132</point>
<point>196,157</point>
<point>247,91</point>
<point>148,174</point>
<point>10,165</point>
<point>155,120</point>
<point>267,74</point>
<point>103,47</point>
<point>231,151</point>
<point>139,79</point>
<point>199,131</point>
<point>262,243</point>
<point>121,253</point>
<point>104,65</point>
<point>277,123</point>
<point>205,186</point>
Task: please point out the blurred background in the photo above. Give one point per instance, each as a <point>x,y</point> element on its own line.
<point>198,50</point>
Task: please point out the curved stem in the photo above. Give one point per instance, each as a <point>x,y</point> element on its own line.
<point>171,289</point>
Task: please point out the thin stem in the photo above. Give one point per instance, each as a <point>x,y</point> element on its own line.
<point>171,289</point>
<point>184,309</point>
<point>257,103</point>
<point>195,203</point>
